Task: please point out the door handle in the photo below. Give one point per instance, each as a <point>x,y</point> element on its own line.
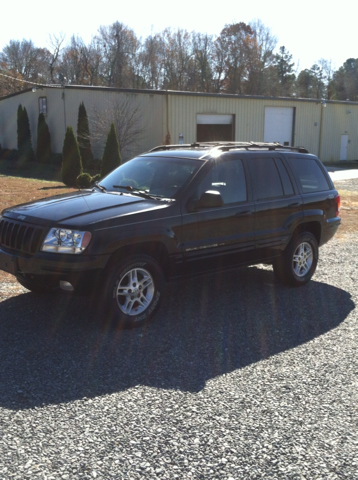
<point>294,205</point>
<point>242,214</point>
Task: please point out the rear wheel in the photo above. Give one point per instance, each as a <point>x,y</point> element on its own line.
<point>298,262</point>
<point>133,290</point>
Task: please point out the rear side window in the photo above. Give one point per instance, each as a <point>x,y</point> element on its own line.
<point>266,179</point>
<point>309,174</point>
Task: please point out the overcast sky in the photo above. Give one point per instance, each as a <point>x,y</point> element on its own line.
<point>309,29</point>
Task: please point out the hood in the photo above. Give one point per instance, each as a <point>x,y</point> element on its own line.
<point>80,208</point>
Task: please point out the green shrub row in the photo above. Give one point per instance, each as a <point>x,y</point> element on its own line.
<point>76,152</point>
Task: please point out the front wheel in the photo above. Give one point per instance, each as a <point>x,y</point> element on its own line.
<point>133,290</point>
<point>298,262</point>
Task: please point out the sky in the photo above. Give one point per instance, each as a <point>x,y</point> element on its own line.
<point>310,30</point>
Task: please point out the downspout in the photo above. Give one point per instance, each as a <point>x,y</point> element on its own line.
<point>64,109</point>
<point>167,111</point>
<point>323,106</point>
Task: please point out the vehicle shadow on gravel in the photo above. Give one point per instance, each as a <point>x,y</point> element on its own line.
<point>55,349</point>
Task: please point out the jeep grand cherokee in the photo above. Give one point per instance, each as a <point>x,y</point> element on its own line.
<point>175,211</point>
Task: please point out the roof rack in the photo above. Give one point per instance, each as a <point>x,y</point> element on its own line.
<point>226,146</point>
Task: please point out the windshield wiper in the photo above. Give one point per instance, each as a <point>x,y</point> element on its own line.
<point>101,187</point>
<point>137,191</point>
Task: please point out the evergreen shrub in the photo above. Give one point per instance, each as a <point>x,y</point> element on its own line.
<point>71,159</point>
<point>111,156</point>
<point>43,147</point>
<point>24,143</point>
<point>83,136</point>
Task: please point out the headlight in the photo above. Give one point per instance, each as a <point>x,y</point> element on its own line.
<point>60,240</point>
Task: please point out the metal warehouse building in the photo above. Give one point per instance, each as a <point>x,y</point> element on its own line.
<point>328,129</point>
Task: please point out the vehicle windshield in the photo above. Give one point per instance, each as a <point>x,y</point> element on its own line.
<point>156,176</point>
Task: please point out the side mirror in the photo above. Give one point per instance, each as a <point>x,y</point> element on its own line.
<point>210,199</point>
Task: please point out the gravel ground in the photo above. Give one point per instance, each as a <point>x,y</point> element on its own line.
<point>237,377</point>
<point>349,184</point>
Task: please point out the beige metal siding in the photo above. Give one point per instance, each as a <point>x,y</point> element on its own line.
<point>249,117</point>
<point>339,119</point>
<point>159,111</point>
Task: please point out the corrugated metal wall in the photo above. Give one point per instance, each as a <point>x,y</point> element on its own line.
<point>159,111</point>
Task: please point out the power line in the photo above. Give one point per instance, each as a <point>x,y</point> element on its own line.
<point>41,85</point>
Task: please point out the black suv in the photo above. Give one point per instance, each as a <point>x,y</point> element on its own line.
<point>175,211</point>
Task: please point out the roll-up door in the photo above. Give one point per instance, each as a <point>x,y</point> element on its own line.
<point>210,128</point>
<point>279,125</point>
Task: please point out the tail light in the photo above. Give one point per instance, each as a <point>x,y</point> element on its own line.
<point>337,201</point>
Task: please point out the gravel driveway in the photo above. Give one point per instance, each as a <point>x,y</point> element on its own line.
<point>237,377</point>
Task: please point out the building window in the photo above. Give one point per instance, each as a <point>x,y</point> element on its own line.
<point>43,105</point>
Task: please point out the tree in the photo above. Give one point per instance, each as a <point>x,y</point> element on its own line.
<point>261,78</point>
<point>24,143</point>
<point>126,118</point>
<point>111,156</point>
<point>305,84</point>
<point>151,56</point>
<point>284,67</point>
<point>43,147</point>
<point>234,50</point>
<point>71,159</point>
<point>119,46</point>
<point>202,50</point>
<point>83,136</point>
<point>345,80</point>
<point>55,43</point>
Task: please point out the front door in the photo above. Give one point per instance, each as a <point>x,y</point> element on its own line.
<point>220,237</point>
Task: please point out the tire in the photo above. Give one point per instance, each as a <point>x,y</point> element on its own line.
<point>35,286</point>
<point>298,262</point>
<point>133,291</point>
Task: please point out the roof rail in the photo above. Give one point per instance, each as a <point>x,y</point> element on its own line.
<point>226,146</point>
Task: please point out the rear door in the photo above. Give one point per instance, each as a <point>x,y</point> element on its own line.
<point>278,204</point>
<point>317,189</point>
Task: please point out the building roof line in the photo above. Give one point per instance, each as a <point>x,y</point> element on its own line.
<point>185,93</point>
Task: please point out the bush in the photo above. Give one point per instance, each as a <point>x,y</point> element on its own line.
<point>71,159</point>
<point>43,147</point>
<point>83,136</point>
<point>84,180</point>
<point>96,178</point>
<point>111,156</point>
<point>24,143</point>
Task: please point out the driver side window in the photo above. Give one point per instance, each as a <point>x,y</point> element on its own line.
<point>227,178</point>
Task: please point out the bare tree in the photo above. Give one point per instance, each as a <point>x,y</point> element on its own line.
<point>55,43</point>
<point>260,74</point>
<point>119,46</point>
<point>126,118</point>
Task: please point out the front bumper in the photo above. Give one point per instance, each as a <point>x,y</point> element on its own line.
<point>53,265</point>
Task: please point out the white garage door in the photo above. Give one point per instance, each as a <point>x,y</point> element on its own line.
<point>279,125</point>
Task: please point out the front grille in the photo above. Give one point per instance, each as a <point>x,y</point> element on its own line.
<point>20,237</point>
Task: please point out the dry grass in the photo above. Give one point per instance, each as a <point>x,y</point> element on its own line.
<point>15,190</point>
